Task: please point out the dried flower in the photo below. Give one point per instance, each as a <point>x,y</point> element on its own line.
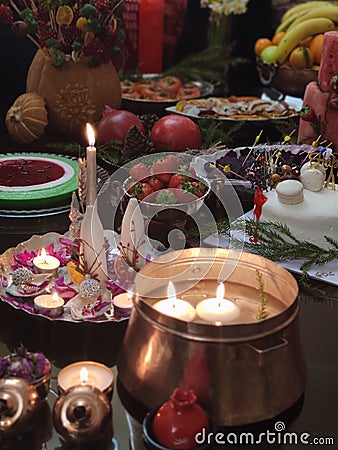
<point>71,30</point>
<point>24,364</point>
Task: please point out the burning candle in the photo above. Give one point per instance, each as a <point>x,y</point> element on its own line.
<point>218,310</point>
<point>49,304</point>
<point>89,373</point>
<point>175,307</point>
<point>91,166</point>
<point>123,301</point>
<point>44,263</point>
<point>84,375</point>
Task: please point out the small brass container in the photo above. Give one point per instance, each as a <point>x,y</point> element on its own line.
<point>82,415</point>
<point>18,403</point>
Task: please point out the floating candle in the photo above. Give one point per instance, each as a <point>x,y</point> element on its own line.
<point>44,263</point>
<point>175,307</point>
<point>49,304</point>
<point>90,373</point>
<point>218,310</point>
<point>123,301</point>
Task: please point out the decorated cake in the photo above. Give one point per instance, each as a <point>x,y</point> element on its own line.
<point>36,180</point>
<point>319,114</point>
<point>306,205</point>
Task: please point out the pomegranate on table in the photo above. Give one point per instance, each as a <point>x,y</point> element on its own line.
<point>115,124</point>
<point>174,133</point>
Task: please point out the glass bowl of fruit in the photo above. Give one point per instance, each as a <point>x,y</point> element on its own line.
<point>167,187</point>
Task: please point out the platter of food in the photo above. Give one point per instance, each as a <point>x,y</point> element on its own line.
<point>233,108</point>
<point>153,93</point>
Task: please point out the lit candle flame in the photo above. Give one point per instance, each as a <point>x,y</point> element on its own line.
<point>171,294</point>
<point>220,293</point>
<point>84,375</point>
<point>43,255</point>
<point>90,135</point>
<point>55,297</point>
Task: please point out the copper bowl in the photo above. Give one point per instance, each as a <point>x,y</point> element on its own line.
<point>241,372</point>
<point>287,80</point>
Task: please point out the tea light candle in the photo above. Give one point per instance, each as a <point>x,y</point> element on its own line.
<point>123,301</point>
<point>44,263</point>
<point>91,166</point>
<point>49,304</point>
<point>89,373</point>
<point>218,310</point>
<point>175,307</point>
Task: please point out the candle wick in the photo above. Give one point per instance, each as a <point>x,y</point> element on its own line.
<point>219,303</point>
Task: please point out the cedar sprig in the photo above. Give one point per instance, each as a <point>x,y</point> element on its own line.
<point>262,311</point>
<point>276,242</point>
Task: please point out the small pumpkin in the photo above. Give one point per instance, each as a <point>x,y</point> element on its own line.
<point>26,119</point>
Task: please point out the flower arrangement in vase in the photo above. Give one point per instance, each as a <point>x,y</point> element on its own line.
<point>219,11</point>
<point>69,30</point>
<point>72,69</point>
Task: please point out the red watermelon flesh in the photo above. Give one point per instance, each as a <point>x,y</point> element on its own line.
<point>329,62</point>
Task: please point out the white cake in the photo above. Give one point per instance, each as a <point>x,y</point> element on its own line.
<point>310,220</point>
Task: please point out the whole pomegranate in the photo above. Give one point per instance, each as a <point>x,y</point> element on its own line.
<point>174,133</point>
<point>115,124</point>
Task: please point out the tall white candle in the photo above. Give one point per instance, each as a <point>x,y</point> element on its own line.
<point>91,166</point>
<point>218,310</point>
<point>175,307</point>
<point>92,233</point>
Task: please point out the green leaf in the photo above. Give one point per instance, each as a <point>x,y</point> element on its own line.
<point>76,46</point>
<point>58,58</point>
<point>53,43</point>
<point>88,11</point>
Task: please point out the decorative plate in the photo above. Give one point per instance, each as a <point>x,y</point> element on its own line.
<point>248,109</point>
<point>147,106</point>
<point>97,312</point>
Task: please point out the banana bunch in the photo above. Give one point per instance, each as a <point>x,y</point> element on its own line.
<point>304,20</point>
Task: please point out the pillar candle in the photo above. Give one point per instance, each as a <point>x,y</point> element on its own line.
<point>150,39</point>
<point>91,167</point>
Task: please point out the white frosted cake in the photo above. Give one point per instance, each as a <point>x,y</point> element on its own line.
<point>309,220</point>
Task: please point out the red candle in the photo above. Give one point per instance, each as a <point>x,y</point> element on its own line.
<point>150,39</point>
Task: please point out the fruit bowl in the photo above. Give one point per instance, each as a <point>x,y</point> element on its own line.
<point>287,80</point>
<point>170,212</point>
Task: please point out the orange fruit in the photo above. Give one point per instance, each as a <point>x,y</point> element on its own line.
<point>306,42</point>
<point>316,47</point>
<point>278,37</point>
<point>261,44</point>
<point>301,57</point>
<point>64,15</point>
